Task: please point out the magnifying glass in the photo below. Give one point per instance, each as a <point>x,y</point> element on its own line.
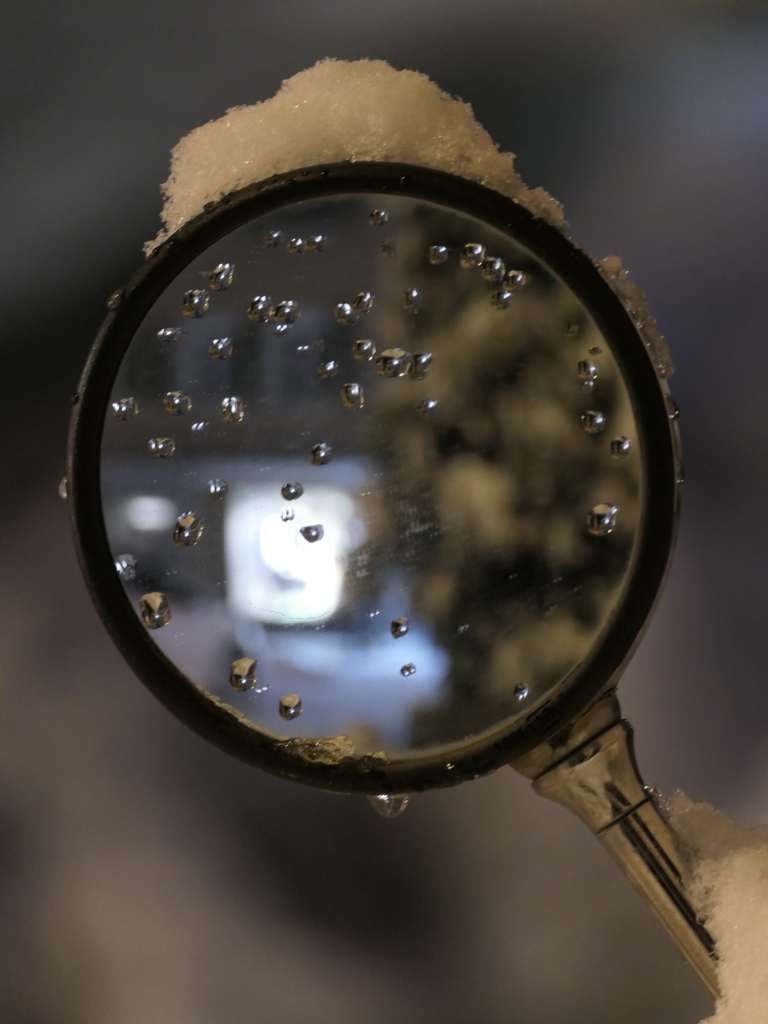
<point>374,482</point>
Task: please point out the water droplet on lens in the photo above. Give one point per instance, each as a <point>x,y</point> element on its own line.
<point>352,396</point>
<point>378,217</point>
<point>421,363</point>
<point>162,447</point>
<point>312,533</point>
<point>259,309</point>
<point>344,314</point>
<point>221,277</point>
<point>437,254</point>
<point>155,610</point>
<point>593,422</point>
<point>389,806</point>
<point>363,350</point>
<point>232,410</point>
<point>63,488</point>
<point>399,628</point>
<point>287,515</point>
<point>220,348</point>
<point>315,243</point>
<point>513,280</point>
<point>620,447</point>
<point>292,491</point>
<point>321,454</point>
<point>329,369</point>
<point>177,403</point>
<point>188,530</point>
<point>595,350</point>
<point>586,370</point>
<point>285,312</point>
<point>363,303</point>
<point>217,488</point>
<point>673,410</point>
<point>170,334</point>
<point>290,706</point>
<point>394,362</point>
<point>412,300</point>
<point>125,408</point>
<point>199,428</point>
<point>272,239</point>
<point>520,691</point>
<point>125,566</point>
<point>244,675</point>
<point>493,270</point>
<point>196,302</point>
<point>501,300</point>
<point>427,406</point>
<point>472,255</point>
<point>602,519</point>
<point>408,670</point>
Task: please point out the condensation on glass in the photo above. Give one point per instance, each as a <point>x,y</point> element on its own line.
<point>441,574</point>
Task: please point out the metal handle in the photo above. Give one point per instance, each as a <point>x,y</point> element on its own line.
<point>591,769</point>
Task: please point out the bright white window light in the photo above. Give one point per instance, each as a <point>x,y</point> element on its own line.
<point>149,514</point>
<point>274,575</point>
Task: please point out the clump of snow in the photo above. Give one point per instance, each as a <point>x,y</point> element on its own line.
<point>729,888</point>
<point>340,110</point>
<point>636,304</point>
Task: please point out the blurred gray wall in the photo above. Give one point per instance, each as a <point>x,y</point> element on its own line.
<point>146,878</point>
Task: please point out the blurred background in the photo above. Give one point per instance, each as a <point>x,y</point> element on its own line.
<point>145,876</point>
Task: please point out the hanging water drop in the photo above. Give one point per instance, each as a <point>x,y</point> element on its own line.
<point>673,410</point>
<point>463,628</point>
<point>493,270</point>
<point>389,806</point>
<point>259,309</point>
<point>595,350</point>
<point>602,519</point>
<point>593,421</point>
<point>587,371</point>
<point>244,675</point>
<point>220,348</point>
<point>199,428</point>
<point>399,627</point>
<point>437,254</point>
<point>408,670</point>
<point>352,396</point>
<point>620,447</point>
<point>312,533</point>
<point>63,491</point>
<point>421,363</point>
<point>292,491</point>
<point>177,403</point>
<point>196,303</point>
<point>217,488</point>
<point>344,314</point>
<point>316,243</point>
<point>221,277</point>
<point>125,408</point>
<point>155,610</point>
<point>321,454</point>
<point>285,312</point>
<point>573,330</point>
<point>426,407</point>
<point>472,255</point>
<point>363,303</point>
<point>162,447</point>
<point>378,217</point>
<point>520,691</point>
<point>296,246</point>
<point>125,567</point>
<point>329,369</point>
<point>514,280</point>
<point>272,239</point>
<point>501,300</point>
<point>394,362</point>
<point>363,350</point>
<point>290,706</point>
<point>188,530</point>
<point>287,515</point>
<point>170,334</point>
<point>232,410</point>
<point>412,301</point>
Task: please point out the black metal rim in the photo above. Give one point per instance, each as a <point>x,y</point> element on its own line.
<point>212,719</point>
